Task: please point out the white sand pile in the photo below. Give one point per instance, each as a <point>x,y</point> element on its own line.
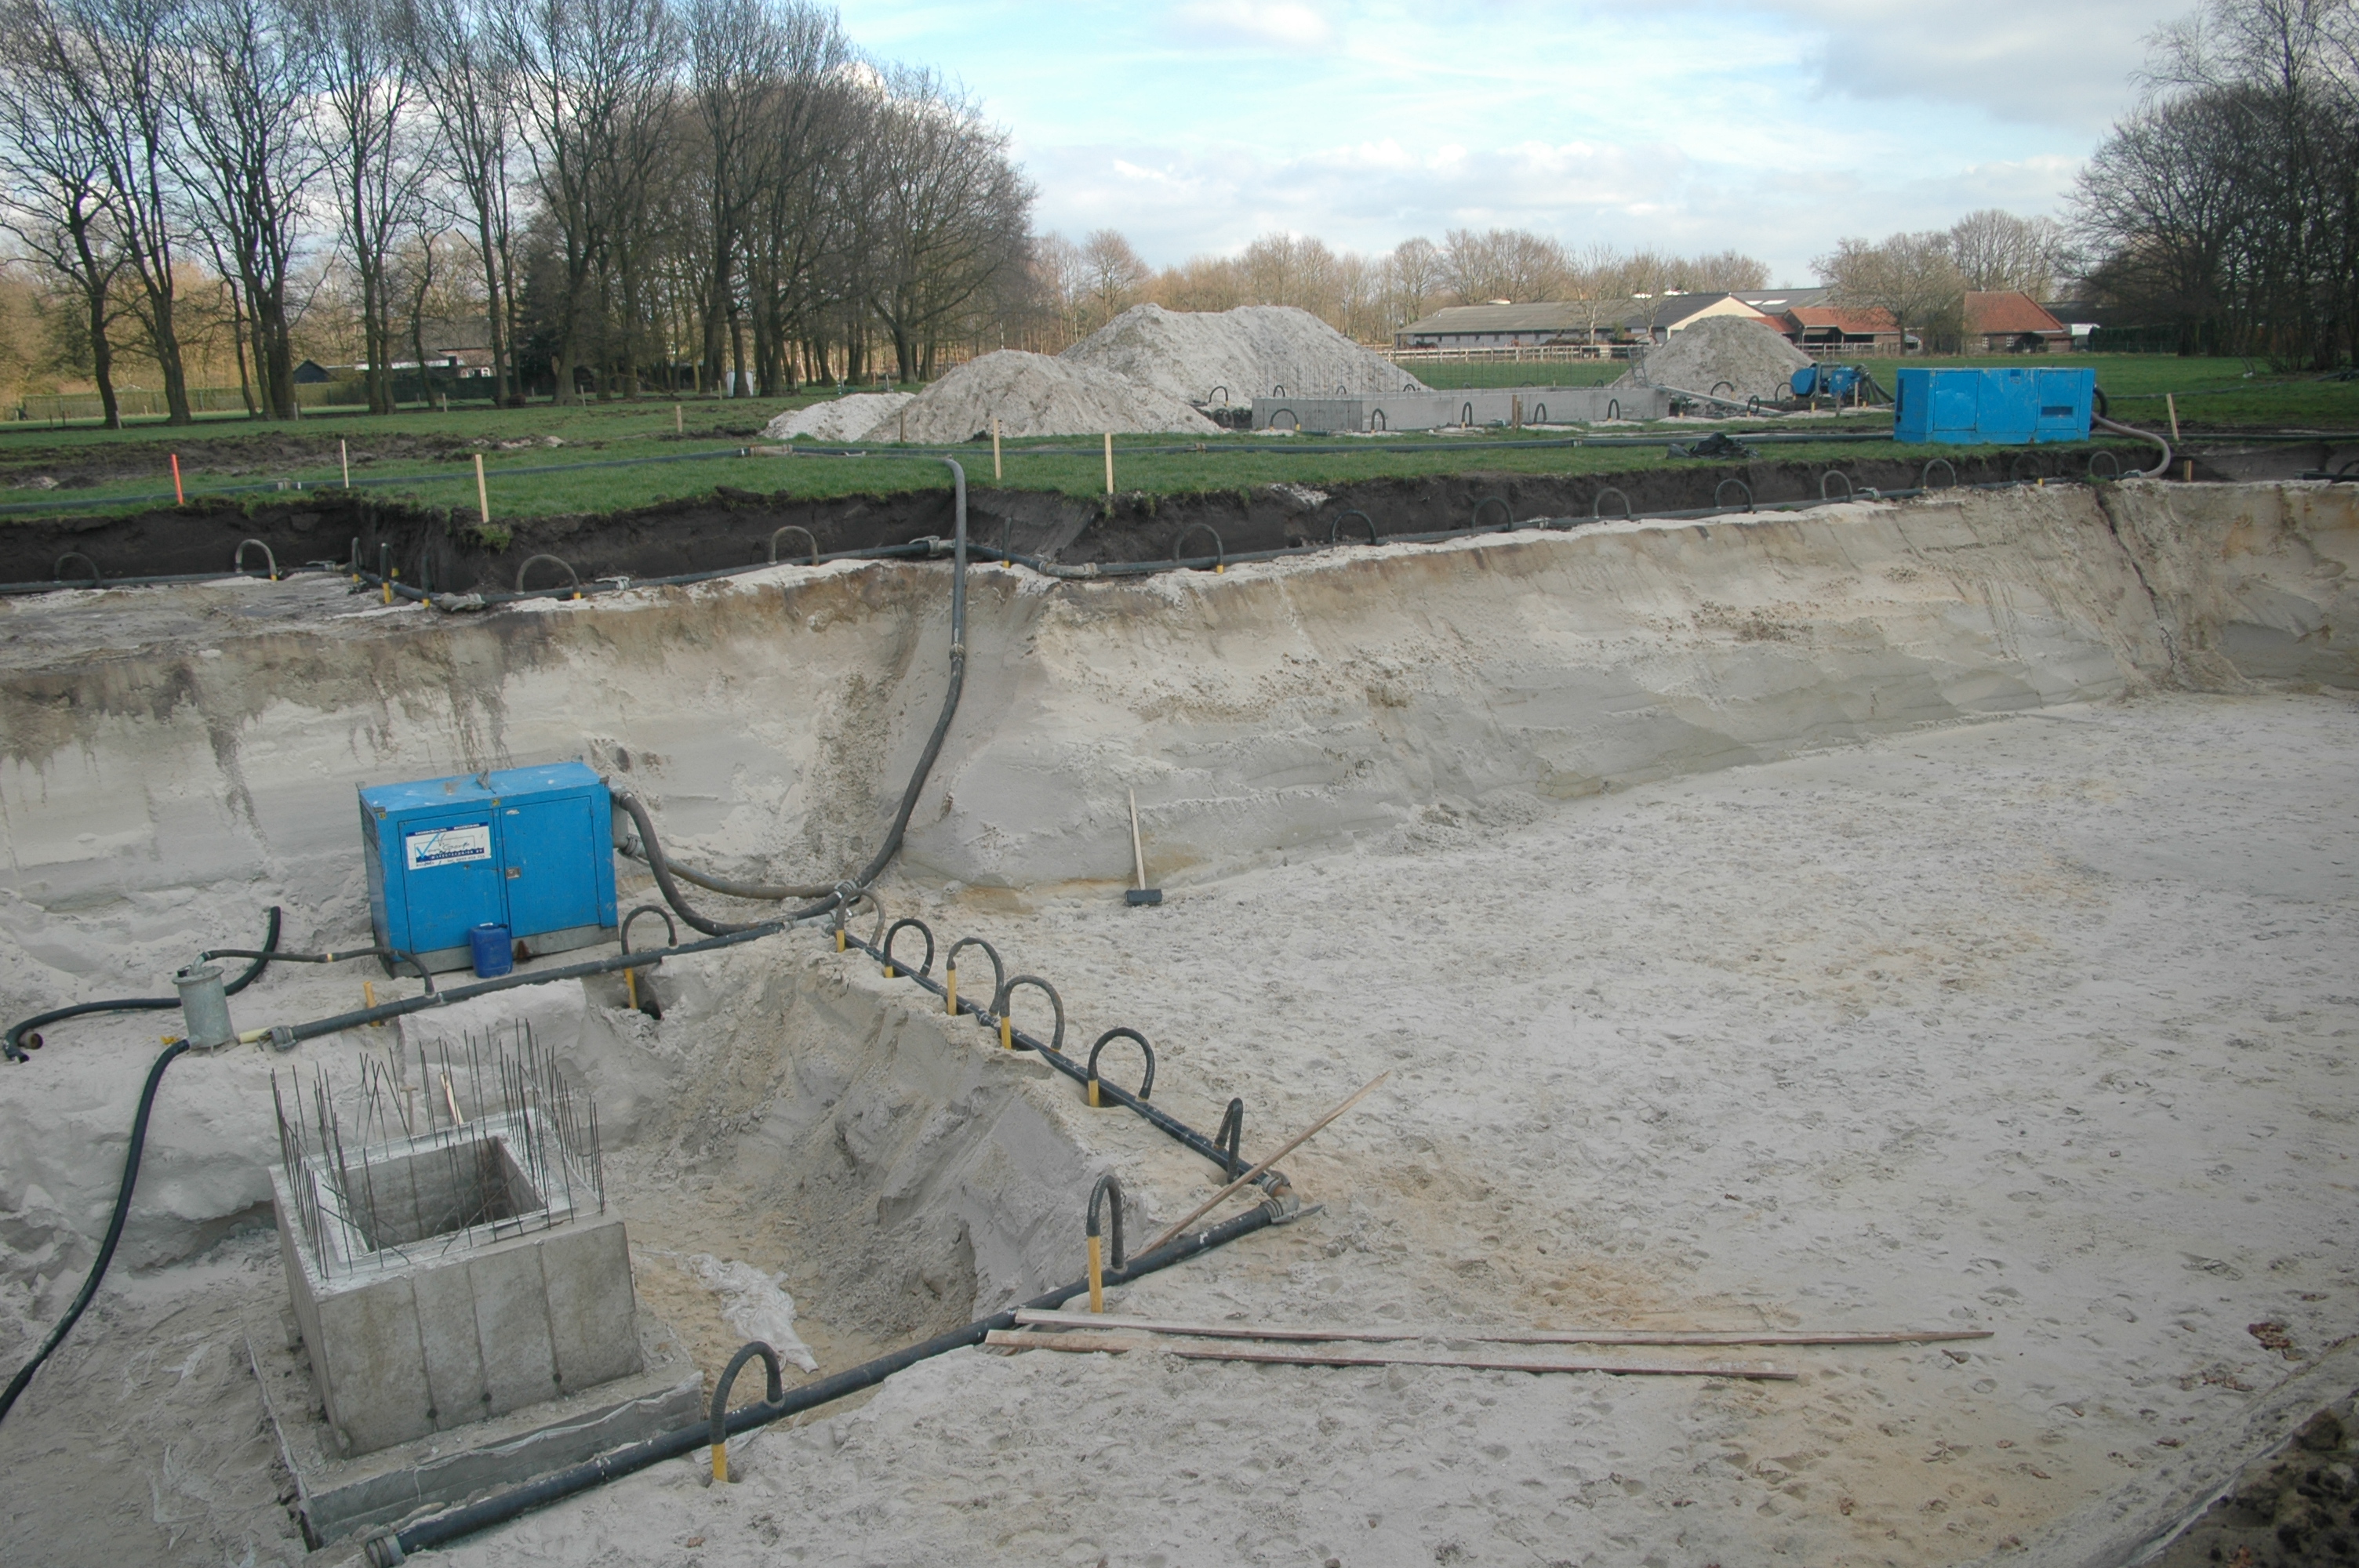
<point>1034,394</point>
<point>1249,351</point>
<point>838,419</point>
<point>1746,355</point>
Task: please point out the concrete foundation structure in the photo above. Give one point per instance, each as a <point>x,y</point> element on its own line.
<point>439,1323</point>
<point>1374,415</point>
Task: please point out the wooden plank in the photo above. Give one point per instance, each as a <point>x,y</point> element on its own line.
<point>1042,1318</point>
<point>1267,1355</point>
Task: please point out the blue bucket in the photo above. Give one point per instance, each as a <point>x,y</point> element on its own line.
<point>494,951</point>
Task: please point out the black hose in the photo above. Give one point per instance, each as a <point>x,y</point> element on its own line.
<point>502,1507</point>
<point>18,1033</point>
<point>24,1376</point>
<point>830,897</point>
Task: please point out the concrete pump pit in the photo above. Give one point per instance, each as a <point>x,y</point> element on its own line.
<point>1884,917</point>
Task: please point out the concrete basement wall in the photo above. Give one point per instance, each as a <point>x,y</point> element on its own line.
<point>770,721</point>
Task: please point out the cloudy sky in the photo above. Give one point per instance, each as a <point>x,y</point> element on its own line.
<point>1774,127</point>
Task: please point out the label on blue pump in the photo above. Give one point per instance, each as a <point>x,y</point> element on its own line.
<point>449,846</point>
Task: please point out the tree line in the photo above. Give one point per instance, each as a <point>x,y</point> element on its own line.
<point>1079,286</point>
<point>2226,207</point>
<point>1922,278</point>
<point>716,195</point>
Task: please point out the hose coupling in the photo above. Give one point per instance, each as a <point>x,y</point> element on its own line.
<point>385,1548</point>
<point>958,650</point>
<point>280,1038</point>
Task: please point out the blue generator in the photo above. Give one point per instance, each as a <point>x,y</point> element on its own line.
<point>529,848</point>
<point>2010,407</point>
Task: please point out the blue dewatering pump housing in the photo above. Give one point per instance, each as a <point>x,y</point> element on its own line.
<point>529,848</point>
<point>1822,380</point>
<point>2015,407</point>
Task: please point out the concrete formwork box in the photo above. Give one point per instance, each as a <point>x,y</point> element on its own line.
<point>458,1272</point>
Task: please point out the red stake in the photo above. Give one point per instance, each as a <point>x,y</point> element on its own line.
<point>179,497</point>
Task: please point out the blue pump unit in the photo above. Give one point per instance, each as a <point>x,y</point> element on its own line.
<point>1826,380</point>
<point>2010,407</point>
<point>529,848</point>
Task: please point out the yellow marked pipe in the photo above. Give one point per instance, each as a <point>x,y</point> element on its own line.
<point>949,989</point>
<point>1093,1094</point>
<point>631,986</point>
<point>888,971</point>
<point>368,998</point>
<point>1007,1035</point>
<point>1097,1275</point>
<point>839,939</point>
<point>721,1462</point>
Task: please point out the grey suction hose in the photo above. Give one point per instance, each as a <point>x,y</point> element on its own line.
<point>394,1546</point>
<point>829,896</point>
<point>2160,468</point>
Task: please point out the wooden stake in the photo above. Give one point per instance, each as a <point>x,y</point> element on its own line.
<point>345,455</point>
<point>2170,404</point>
<point>181,498</point>
<point>679,426</point>
<point>1291,1144</point>
<point>483,495</point>
<point>1019,1339</point>
<point>1041,1317</point>
<point>1109,452</point>
<point>996,473</point>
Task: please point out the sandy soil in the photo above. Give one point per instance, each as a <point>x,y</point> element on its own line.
<point>2041,1025</point>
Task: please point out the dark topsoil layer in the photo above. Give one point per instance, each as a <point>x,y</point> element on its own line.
<point>2296,1509</point>
<point>439,550</point>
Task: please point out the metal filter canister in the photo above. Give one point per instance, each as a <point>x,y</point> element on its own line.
<point>204,1007</point>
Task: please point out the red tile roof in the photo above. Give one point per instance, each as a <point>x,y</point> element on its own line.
<point>2007,310</point>
<point>1857,324</point>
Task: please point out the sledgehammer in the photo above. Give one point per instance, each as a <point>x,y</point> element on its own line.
<point>1142,894</point>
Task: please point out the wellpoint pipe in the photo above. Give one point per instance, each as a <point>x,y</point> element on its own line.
<point>394,1546</point>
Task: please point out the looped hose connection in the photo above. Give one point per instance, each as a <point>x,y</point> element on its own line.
<point>1743,489</point>
<point>1597,506</point>
<point>1829,478</point>
<point>270,561</point>
<point>1230,1137</point>
<point>1220,556</point>
<point>1335,529</point>
<point>1925,475</point>
<point>1145,1083</point>
<point>1007,1024</point>
<point>573,578</point>
<point>950,970</point>
<point>57,572</point>
<point>1108,1186</point>
<point>809,538</point>
<point>908,923</point>
<point>776,1392</point>
<point>1506,519</point>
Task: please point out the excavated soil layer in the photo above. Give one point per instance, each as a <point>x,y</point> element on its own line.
<point>734,527</point>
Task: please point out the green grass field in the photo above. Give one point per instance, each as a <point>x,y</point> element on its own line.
<point>426,457</point>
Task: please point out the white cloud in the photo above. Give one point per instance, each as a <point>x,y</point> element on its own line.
<point>2050,62</point>
<point>1284,23</point>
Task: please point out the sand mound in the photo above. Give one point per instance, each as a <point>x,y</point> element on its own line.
<point>1248,351</point>
<point>1034,394</point>
<point>1746,355</point>
<point>838,419</point>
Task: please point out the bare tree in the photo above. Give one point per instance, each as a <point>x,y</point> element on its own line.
<point>1115,275</point>
<point>594,80</point>
<point>111,62</point>
<point>365,99</point>
<point>946,208</point>
<point>469,87</point>
<point>243,161</point>
<point>56,195</point>
<point>1996,249</point>
<point>1913,277</point>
